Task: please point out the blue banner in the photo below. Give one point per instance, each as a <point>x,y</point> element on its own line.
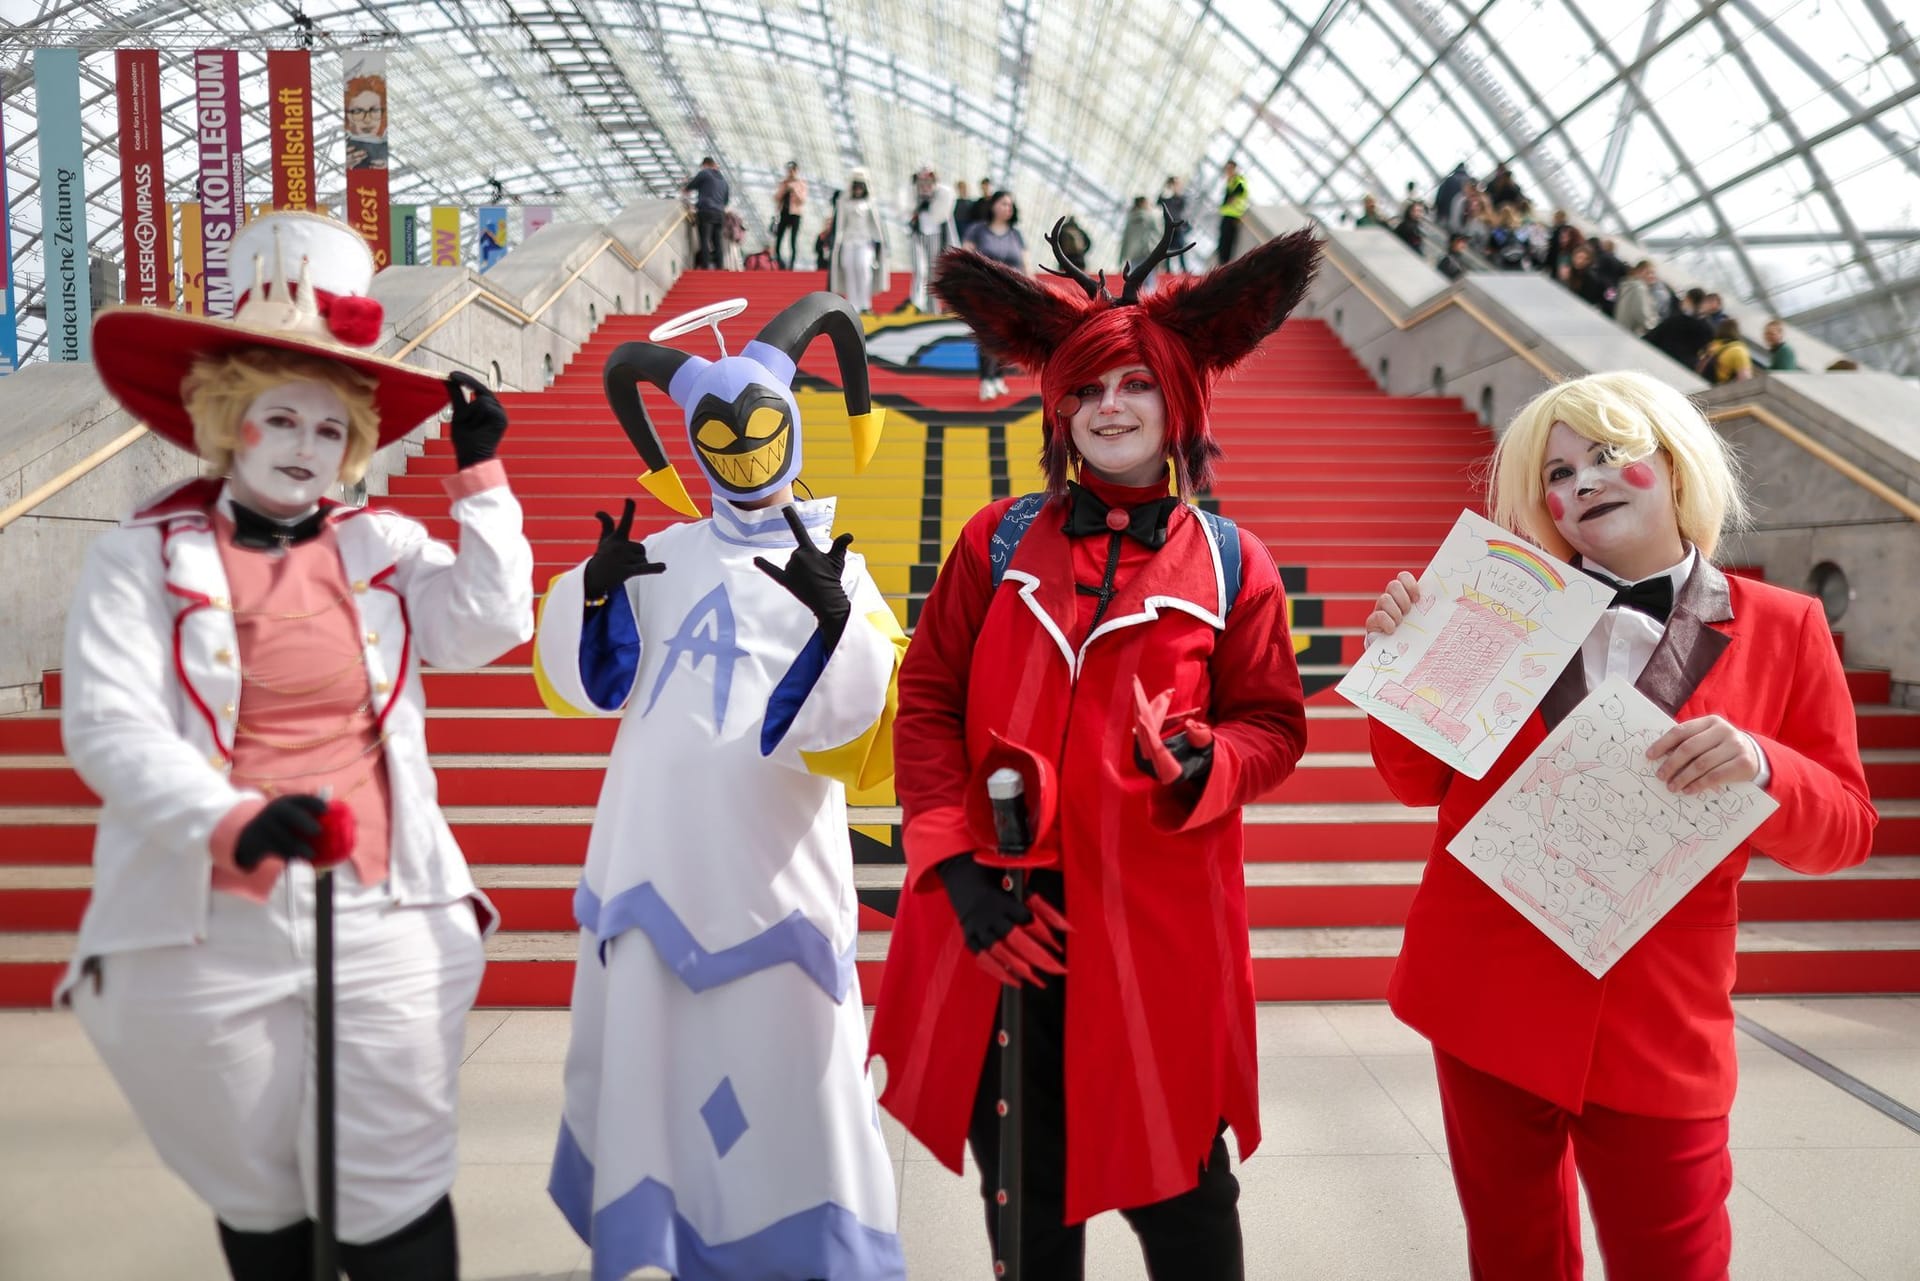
<point>63,204</point>
<point>492,243</point>
<point>9,336</point>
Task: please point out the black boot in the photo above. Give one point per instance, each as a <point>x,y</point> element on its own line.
<point>269,1256</point>
<point>427,1249</point>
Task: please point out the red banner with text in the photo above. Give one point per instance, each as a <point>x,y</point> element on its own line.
<point>290,125</point>
<point>143,183</point>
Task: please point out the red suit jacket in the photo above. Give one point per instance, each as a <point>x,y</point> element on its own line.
<point>1160,1019</point>
<point>1655,1035</point>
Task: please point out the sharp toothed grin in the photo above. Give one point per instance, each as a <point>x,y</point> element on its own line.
<point>749,469</point>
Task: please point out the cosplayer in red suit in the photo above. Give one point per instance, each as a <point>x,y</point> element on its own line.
<point>1140,648</point>
<point>1545,1070</point>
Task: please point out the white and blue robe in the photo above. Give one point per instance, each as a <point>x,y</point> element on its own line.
<point>719,1121</point>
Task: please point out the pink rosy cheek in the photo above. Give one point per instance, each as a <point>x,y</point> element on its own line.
<point>249,434</point>
<point>1556,507</point>
<point>1639,475</point>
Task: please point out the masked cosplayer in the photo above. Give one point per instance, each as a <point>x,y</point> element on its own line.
<point>719,1121</point>
<point>1138,648</point>
<point>239,650</point>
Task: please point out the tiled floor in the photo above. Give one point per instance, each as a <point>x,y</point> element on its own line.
<point>1352,1181</point>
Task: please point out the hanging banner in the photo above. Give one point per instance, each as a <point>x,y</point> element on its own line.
<point>365,73</point>
<point>406,235</point>
<point>290,126</point>
<point>143,184</point>
<point>534,218</point>
<point>492,245</point>
<point>193,274</point>
<point>9,335</point>
<point>216,79</point>
<point>63,204</point>
<point>446,236</point>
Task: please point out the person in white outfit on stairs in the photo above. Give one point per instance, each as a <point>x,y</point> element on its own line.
<point>243,688</point>
<point>857,266</point>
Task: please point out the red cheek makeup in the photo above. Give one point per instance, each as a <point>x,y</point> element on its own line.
<point>1640,475</point>
<point>1556,507</point>
<point>249,434</point>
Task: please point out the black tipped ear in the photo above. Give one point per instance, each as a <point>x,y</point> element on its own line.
<point>629,365</point>
<point>1013,316</point>
<point>1225,314</point>
<point>795,328</point>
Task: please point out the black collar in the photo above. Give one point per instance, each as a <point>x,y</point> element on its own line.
<point>251,529</point>
<point>1146,523</point>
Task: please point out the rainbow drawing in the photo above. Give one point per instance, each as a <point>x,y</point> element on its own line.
<point>1528,560</point>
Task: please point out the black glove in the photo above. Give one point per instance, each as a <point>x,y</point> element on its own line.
<point>617,558</point>
<point>1194,762</point>
<point>987,910</point>
<point>813,576</point>
<point>479,421</point>
<point>287,828</point>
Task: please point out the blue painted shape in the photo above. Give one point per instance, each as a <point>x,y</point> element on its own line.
<point>643,1227</point>
<point>793,939</point>
<point>725,1121</point>
<point>708,631</point>
<point>957,354</point>
<point>791,693</point>
<point>610,651</point>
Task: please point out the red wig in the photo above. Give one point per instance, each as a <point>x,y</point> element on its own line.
<point>1188,332</point>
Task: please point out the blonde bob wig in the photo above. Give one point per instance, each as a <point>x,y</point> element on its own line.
<point>218,390</point>
<point>1633,415</point>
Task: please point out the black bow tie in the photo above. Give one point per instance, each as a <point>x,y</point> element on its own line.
<point>1652,597</point>
<point>251,529</point>
<point>1146,523</point>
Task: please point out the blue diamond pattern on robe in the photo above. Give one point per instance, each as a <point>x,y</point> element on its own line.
<point>725,1121</point>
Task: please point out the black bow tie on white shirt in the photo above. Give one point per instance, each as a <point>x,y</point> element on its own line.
<point>251,529</point>
<point>1652,597</point>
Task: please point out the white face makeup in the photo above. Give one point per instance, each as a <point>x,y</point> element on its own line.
<point>293,440</point>
<point>1623,517</point>
<point>1119,426</point>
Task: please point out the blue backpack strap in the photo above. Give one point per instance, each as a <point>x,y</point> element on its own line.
<point>1014,523</point>
<point>1226,540</point>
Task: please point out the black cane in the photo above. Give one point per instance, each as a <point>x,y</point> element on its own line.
<point>1007,792</point>
<point>326,1264</point>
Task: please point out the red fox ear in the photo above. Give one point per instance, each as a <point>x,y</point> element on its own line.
<point>1223,315</point>
<point>1013,316</point>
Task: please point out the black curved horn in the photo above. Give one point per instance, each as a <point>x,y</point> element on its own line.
<point>630,365</point>
<point>1096,289</point>
<point>1170,231</point>
<point>799,323</point>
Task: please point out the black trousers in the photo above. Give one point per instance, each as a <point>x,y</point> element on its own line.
<point>428,1249</point>
<point>788,234</point>
<point>1191,1237</point>
<point>1229,238</point>
<point>707,227</point>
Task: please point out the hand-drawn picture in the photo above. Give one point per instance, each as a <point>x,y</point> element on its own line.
<point>1588,844</point>
<point>1496,621</point>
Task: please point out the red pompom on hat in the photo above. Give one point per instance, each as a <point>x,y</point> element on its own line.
<point>301,285</point>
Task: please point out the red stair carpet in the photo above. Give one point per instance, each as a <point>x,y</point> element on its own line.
<point>1347,485</point>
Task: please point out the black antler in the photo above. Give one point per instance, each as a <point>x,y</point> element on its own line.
<point>1137,276</point>
<point>1096,289</point>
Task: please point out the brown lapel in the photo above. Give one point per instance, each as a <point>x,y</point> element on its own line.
<point>1690,648</point>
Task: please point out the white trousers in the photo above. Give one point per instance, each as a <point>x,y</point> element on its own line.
<point>856,273</point>
<point>926,250</point>
<point>212,1044</point>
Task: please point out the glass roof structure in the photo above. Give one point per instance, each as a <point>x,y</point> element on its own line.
<point>1771,147</point>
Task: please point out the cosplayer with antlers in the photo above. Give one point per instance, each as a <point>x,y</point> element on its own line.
<point>243,692</point>
<point>1112,635</point>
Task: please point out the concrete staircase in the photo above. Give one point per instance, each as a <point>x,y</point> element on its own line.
<point>1346,484</point>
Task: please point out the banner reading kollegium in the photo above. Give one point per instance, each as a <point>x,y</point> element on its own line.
<point>9,335</point>
<point>216,78</point>
<point>63,204</point>
<point>290,126</point>
<point>406,235</point>
<point>193,276</point>
<point>365,74</point>
<point>446,236</point>
<point>143,184</point>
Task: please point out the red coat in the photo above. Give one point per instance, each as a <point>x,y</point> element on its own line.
<point>1655,1035</point>
<point>1160,1018</point>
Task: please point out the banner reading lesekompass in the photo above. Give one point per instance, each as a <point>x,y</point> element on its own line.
<point>216,78</point>
<point>143,183</point>
<point>365,73</point>
<point>63,204</point>
<point>290,126</point>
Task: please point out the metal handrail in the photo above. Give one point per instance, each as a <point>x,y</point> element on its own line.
<point>1852,471</point>
<point>47,489</point>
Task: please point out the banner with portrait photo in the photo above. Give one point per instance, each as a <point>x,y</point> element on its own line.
<point>491,244</point>
<point>148,254</point>
<point>223,170</point>
<point>446,236</point>
<point>364,72</point>
<point>290,126</point>
<point>63,204</point>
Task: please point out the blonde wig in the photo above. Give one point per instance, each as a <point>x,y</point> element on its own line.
<point>218,390</point>
<point>1632,414</point>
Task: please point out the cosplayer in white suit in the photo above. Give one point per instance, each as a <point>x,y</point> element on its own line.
<point>193,973</point>
<point>719,1121</point>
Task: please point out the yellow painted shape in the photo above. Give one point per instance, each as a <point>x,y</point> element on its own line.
<point>866,762</point>
<point>665,485</point>
<point>548,695</point>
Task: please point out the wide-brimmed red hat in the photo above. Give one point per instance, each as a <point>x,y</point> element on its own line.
<point>300,283</point>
